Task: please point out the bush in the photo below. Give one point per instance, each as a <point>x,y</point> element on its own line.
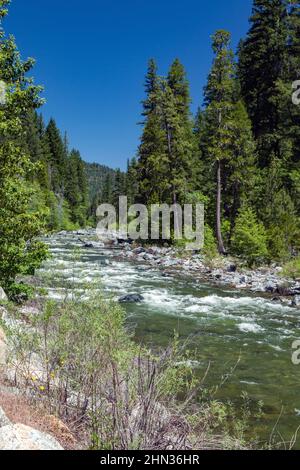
<point>292,269</point>
<point>79,360</point>
<point>249,238</point>
<point>210,243</point>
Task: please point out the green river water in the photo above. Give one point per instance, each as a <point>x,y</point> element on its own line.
<point>221,325</point>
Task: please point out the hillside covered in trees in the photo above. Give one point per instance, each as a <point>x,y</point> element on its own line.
<point>239,155</point>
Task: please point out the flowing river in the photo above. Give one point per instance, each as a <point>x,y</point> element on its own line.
<point>222,326</point>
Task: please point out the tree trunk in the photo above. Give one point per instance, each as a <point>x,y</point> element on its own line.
<point>234,210</point>
<point>219,200</point>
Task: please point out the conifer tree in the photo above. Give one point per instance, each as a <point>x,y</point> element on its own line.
<point>262,62</point>
<point>58,157</point>
<point>20,253</point>
<point>152,161</point>
<point>219,101</point>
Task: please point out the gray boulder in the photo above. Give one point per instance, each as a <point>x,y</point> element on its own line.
<point>131,298</point>
<point>270,287</point>
<point>105,262</point>
<point>296,301</point>
<point>231,268</point>
<point>21,437</point>
<point>148,257</point>
<point>139,250</point>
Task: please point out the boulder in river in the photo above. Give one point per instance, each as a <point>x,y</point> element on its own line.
<point>271,286</point>
<point>105,262</point>
<point>131,298</point>
<point>139,250</point>
<point>296,301</point>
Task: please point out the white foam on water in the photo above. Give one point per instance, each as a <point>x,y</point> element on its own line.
<point>250,328</point>
<point>246,382</point>
<point>198,309</point>
<point>277,348</point>
<point>161,298</point>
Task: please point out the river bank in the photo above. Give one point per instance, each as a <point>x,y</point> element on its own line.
<point>266,281</point>
<point>220,324</point>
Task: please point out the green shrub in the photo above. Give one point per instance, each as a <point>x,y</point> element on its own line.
<point>292,269</point>
<point>210,243</point>
<point>249,239</point>
<point>79,360</point>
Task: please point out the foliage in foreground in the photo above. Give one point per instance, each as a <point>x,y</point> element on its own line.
<point>80,363</point>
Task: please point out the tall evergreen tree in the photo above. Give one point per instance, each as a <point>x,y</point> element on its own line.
<point>76,188</point>
<point>58,157</point>
<point>19,252</point>
<point>152,160</point>
<point>262,62</point>
<point>219,101</point>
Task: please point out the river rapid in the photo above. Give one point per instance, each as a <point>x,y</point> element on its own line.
<point>221,325</point>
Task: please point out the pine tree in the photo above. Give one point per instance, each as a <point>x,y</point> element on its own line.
<point>132,186</point>
<point>262,63</point>
<point>34,132</point>
<point>152,160</point>
<point>178,83</point>
<point>178,146</point>
<point>20,253</point>
<point>119,188</point>
<point>76,188</point>
<point>107,192</point>
<point>58,158</point>
<point>241,173</point>
<point>218,117</point>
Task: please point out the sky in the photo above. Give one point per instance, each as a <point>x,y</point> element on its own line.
<point>92,58</point>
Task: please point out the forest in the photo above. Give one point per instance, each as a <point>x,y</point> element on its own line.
<point>117,340</point>
<point>239,155</point>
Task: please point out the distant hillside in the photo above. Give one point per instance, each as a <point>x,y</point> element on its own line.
<point>98,176</point>
<point>105,186</point>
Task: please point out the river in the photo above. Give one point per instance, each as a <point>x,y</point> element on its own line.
<point>221,325</point>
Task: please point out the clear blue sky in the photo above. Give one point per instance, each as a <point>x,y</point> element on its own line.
<point>92,57</point>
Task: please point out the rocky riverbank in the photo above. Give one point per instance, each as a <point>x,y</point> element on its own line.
<point>266,281</point>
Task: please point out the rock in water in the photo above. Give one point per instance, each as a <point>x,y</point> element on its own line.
<point>3,296</point>
<point>296,301</point>
<point>270,287</point>
<point>21,437</point>
<point>133,298</point>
